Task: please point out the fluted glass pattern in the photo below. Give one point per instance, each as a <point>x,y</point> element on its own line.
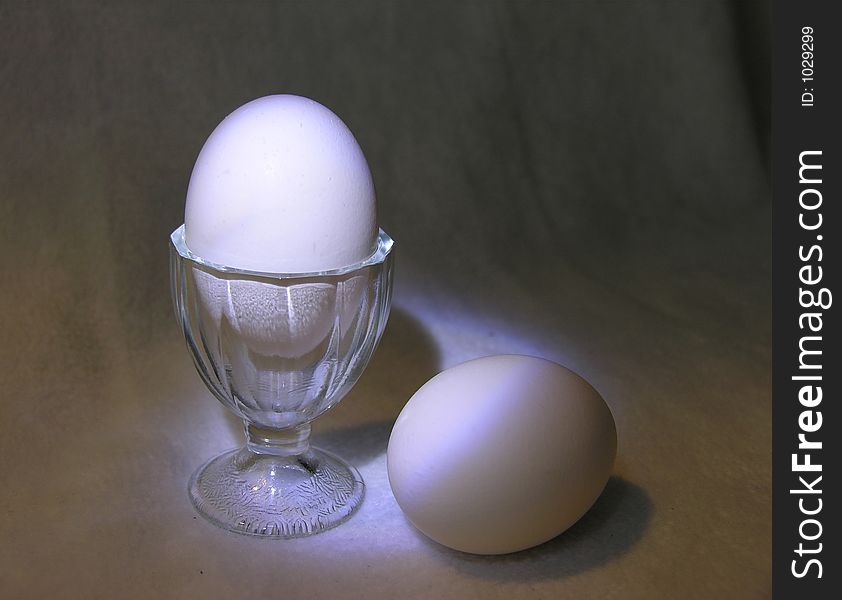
<point>278,350</point>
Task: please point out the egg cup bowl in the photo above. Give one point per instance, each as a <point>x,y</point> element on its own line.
<point>279,350</point>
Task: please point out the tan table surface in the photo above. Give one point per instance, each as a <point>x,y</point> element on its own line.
<point>520,229</point>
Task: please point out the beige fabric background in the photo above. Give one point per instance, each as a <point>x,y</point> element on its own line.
<point>584,181</point>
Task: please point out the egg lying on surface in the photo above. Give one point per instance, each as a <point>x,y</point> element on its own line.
<point>501,453</point>
<point>282,187</point>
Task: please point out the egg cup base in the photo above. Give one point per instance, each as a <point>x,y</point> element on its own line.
<point>277,497</point>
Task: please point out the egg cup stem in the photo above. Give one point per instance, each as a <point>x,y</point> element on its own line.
<point>279,442</point>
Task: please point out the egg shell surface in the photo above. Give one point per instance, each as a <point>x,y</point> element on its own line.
<point>281,186</point>
<point>501,453</point>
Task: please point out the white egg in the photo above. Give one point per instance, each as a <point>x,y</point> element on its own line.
<point>281,185</point>
<point>501,453</point>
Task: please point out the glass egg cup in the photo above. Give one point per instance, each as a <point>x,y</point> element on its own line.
<point>279,350</point>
